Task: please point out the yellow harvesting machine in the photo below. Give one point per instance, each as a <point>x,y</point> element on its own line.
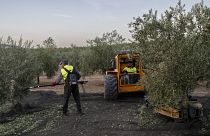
<point>116,81</point>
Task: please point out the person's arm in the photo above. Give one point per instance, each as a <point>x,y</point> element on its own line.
<point>135,70</point>
<point>58,79</point>
<point>77,73</point>
<point>125,69</point>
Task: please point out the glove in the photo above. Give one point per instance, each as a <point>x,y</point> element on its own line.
<point>53,84</point>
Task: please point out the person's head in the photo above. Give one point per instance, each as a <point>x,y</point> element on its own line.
<point>130,63</point>
<point>63,63</point>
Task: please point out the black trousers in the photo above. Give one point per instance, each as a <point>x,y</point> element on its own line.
<point>74,90</point>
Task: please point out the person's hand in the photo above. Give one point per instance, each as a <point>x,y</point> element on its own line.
<point>125,72</point>
<point>53,84</point>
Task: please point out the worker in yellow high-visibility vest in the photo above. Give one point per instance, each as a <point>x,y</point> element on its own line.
<point>70,75</point>
<point>129,69</point>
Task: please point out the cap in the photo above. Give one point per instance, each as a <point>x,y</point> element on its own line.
<point>64,61</point>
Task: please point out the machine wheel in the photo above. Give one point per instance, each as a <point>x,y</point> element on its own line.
<point>110,85</point>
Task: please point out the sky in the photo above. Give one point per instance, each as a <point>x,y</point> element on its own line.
<point>75,21</point>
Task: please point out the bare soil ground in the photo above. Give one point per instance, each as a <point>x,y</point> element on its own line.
<point>43,115</point>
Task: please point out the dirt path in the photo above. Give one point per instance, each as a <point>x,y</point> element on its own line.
<point>107,118</point>
<point>102,118</point>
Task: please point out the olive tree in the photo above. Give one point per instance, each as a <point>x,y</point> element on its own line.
<point>175,49</point>
<point>16,69</point>
<point>46,57</point>
<point>103,50</point>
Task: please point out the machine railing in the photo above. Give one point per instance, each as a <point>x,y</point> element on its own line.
<point>129,79</point>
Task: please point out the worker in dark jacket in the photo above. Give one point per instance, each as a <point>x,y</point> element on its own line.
<point>70,75</point>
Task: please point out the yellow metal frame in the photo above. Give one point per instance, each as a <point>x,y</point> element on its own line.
<point>168,111</point>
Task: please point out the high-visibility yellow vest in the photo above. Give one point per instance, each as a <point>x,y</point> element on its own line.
<point>130,70</point>
<point>64,73</point>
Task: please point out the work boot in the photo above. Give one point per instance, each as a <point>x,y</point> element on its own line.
<point>80,112</point>
<point>65,114</point>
